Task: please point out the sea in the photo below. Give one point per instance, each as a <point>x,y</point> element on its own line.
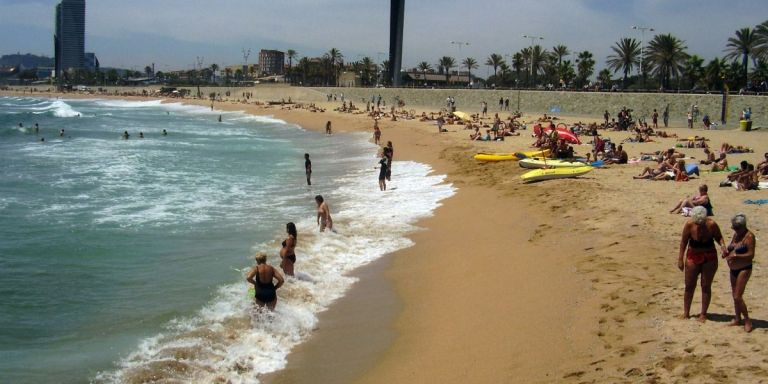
<point>124,260</point>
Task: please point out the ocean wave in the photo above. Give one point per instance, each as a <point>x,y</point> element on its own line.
<point>228,341</point>
<point>58,108</point>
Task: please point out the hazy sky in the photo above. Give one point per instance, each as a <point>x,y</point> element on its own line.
<point>173,33</point>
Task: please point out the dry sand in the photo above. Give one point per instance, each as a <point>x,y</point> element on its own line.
<point>569,280</point>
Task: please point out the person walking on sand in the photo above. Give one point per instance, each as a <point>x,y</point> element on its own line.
<point>690,119</point>
<point>328,128</point>
<point>262,277</point>
<point>288,251</point>
<point>739,256</point>
<point>655,119</point>
<point>665,116</point>
<point>324,219</point>
<point>383,171</point>
<point>308,168</point>
<point>699,236</point>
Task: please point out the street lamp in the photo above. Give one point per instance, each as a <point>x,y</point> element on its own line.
<point>642,46</point>
<point>533,39</point>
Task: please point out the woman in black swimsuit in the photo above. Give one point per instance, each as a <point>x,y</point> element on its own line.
<point>739,256</point>
<point>261,276</point>
<point>287,253</point>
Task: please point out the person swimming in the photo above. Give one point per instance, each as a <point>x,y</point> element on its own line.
<point>126,136</point>
<point>165,133</point>
<point>141,135</point>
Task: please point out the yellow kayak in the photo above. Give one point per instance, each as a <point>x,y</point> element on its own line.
<point>510,155</point>
<point>554,173</point>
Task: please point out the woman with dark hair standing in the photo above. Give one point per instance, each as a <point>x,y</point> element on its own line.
<point>390,154</point>
<point>288,253</point>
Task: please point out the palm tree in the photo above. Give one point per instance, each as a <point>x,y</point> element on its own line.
<point>368,66</point>
<point>762,45</point>
<point>214,67</point>
<point>518,64</point>
<point>335,57</point>
<point>470,64</point>
<point>714,73</point>
<point>494,60</point>
<point>693,70</point>
<point>605,78</point>
<point>291,55</point>
<point>560,51</point>
<point>585,67</point>
<point>744,44</point>
<point>424,67</point>
<point>538,59</point>
<point>446,63</point>
<point>666,56</point>
<point>626,55</point>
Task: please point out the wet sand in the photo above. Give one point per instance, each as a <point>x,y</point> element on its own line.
<point>571,280</point>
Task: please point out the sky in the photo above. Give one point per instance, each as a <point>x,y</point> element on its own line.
<point>175,34</point>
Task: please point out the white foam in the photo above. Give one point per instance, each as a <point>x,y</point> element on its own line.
<point>239,345</point>
<point>58,107</point>
<point>112,103</point>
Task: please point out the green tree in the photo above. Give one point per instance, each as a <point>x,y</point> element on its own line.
<point>714,73</point>
<point>446,63</point>
<point>762,45</point>
<point>743,45</point>
<point>494,60</point>
<point>214,67</point>
<point>335,57</point>
<point>666,57</point>
<point>604,76</point>
<point>626,55</point>
<point>424,67</point>
<point>585,67</point>
<point>560,51</point>
<point>537,59</point>
<point>291,55</point>
<point>694,71</point>
<point>518,64</point>
<point>470,64</point>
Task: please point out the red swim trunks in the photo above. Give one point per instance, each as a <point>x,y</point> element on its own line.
<point>701,256</point>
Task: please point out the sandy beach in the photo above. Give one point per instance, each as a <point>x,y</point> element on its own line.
<point>570,280</point>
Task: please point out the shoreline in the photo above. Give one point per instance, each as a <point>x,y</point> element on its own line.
<point>576,284</point>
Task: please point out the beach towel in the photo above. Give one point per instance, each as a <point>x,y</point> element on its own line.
<point>692,169</point>
<point>756,202</point>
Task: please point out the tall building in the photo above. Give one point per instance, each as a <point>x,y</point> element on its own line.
<point>271,62</point>
<point>69,37</point>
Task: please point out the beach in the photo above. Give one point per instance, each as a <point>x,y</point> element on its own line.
<point>570,280</point>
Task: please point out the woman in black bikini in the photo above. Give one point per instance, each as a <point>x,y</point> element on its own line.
<point>287,253</point>
<point>699,237</point>
<point>739,256</point>
<point>262,276</point>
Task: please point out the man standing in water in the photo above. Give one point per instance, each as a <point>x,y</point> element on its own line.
<point>323,214</point>
<point>308,168</point>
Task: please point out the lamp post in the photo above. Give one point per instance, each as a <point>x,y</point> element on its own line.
<point>533,39</point>
<point>458,44</point>
<point>642,47</point>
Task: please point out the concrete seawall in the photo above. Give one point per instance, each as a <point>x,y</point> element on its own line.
<point>591,104</point>
<point>571,103</point>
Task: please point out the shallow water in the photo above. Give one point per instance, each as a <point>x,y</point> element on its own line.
<point>123,260</point>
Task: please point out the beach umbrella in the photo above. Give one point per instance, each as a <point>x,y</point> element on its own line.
<point>463,115</point>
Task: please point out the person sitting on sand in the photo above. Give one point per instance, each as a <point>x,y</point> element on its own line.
<point>710,157</point>
<point>698,256</point>
<point>721,164</point>
<point>477,135</point>
<point>762,167</point>
<point>619,156</point>
<point>748,180</point>
<point>677,172</point>
<point>739,255</point>
<point>262,277</point>
<point>688,203</point>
